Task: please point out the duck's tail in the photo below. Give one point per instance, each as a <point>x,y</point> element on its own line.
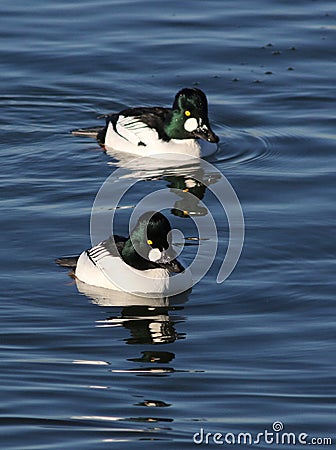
<point>70,262</point>
<point>91,132</point>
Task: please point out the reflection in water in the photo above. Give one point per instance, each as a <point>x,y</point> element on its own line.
<point>188,179</point>
<point>154,357</point>
<point>148,371</point>
<point>188,204</point>
<point>142,168</point>
<point>147,325</point>
<point>122,419</point>
<point>149,419</point>
<point>153,404</point>
<point>147,319</point>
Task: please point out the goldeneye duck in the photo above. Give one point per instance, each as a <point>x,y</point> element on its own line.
<point>143,263</point>
<point>183,129</point>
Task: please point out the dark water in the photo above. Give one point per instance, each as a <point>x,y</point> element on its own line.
<point>229,358</point>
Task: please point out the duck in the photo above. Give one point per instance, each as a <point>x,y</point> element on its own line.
<point>147,131</point>
<point>144,263</point>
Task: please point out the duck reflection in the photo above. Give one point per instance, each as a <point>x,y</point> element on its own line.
<point>187,205</point>
<point>154,357</point>
<point>149,320</point>
<point>147,325</point>
<point>188,178</point>
<point>153,404</point>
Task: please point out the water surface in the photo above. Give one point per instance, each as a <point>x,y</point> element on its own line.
<point>80,373</point>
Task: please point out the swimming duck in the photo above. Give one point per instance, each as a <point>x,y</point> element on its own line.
<point>143,263</point>
<point>147,131</point>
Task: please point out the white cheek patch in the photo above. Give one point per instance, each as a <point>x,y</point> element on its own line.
<point>190,183</point>
<point>190,124</point>
<point>154,254</point>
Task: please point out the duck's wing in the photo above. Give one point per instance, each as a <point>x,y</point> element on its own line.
<point>140,126</point>
<point>103,259</point>
<point>112,247</point>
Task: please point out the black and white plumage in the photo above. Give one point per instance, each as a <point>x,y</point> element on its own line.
<point>143,263</point>
<point>147,131</point>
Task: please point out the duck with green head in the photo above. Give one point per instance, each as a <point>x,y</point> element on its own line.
<point>143,263</point>
<point>148,131</point>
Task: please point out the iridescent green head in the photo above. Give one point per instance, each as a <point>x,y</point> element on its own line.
<point>189,118</point>
<point>150,245</point>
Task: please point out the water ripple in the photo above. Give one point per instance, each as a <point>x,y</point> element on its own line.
<point>240,147</point>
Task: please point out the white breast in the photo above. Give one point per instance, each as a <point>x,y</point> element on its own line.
<point>128,140</point>
<point>113,273</point>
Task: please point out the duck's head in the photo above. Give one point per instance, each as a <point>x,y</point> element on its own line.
<point>190,117</point>
<point>150,245</point>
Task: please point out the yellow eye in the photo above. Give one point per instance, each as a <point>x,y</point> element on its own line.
<point>187,113</point>
<point>149,242</point>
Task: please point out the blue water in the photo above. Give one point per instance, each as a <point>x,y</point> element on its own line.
<point>78,373</point>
